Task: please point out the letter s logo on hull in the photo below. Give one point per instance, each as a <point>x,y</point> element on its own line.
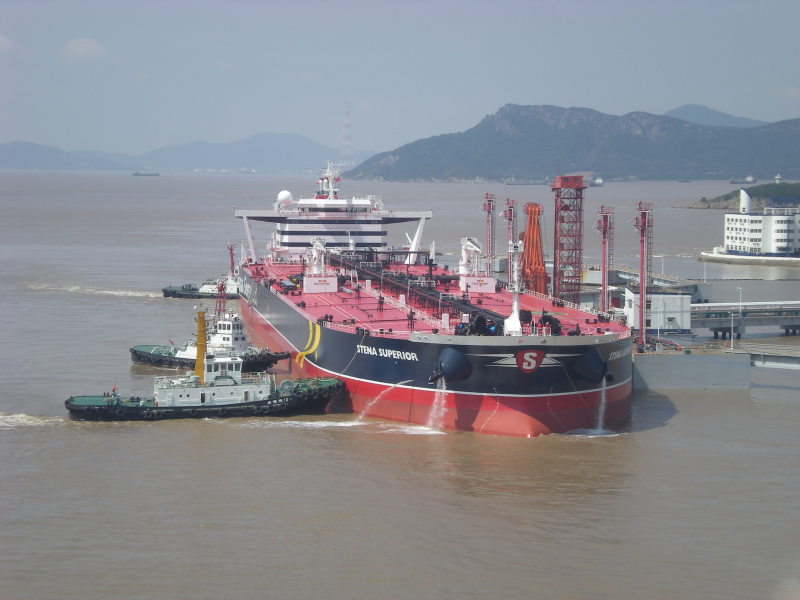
<point>529,360</point>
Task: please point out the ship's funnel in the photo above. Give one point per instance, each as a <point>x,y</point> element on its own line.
<point>744,202</point>
<point>452,366</point>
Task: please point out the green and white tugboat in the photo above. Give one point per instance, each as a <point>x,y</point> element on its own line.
<point>216,388</point>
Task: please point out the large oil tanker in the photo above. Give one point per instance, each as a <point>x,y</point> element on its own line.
<point>415,341</point>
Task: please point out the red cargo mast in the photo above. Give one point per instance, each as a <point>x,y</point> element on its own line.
<point>568,238</point>
<point>605,225</point>
<point>644,223</point>
<point>533,272</point>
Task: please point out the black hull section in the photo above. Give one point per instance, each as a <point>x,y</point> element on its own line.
<point>250,364</point>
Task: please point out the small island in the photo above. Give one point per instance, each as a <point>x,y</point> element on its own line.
<point>775,195</point>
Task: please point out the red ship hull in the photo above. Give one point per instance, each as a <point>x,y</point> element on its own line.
<point>514,415</point>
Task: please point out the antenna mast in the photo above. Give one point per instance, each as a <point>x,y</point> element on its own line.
<point>347,139</point>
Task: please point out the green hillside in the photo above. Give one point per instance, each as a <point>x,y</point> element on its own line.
<point>540,141</point>
<point>777,195</point>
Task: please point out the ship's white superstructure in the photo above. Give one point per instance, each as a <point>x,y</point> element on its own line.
<point>341,223</point>
<point>224,385</point>
<point>227,336</point>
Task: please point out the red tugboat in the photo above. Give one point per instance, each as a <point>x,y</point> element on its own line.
<point>416,342</point>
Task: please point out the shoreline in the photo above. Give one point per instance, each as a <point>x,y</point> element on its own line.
<point>750,260</point>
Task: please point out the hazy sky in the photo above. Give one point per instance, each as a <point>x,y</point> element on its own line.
<point>131,76</point>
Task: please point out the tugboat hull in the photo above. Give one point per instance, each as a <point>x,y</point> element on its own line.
<point>302,396</point>
<point>162,356</point>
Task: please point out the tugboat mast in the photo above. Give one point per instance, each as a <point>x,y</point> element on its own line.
<point>199,362</point>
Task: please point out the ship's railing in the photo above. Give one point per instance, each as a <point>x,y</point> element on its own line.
<point>351,328</point>
<point>381,332</point>
<point>572,305</point>
<point>418,314</point>
<point>268,378</point>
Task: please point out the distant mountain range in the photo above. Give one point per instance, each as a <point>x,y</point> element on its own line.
<point>533,142</point>
<point>519,142</point>
<point>702,115</point>
<point>266,152</point>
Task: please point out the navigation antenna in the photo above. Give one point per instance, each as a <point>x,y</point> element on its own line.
<point>347,139</point>
<point>222,287</point>
<point>222,293</point>
<point>510,215</point>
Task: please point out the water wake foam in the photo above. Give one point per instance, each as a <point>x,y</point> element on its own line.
<point>23,420</point>
<point>365,426</point>
<point>82,289</point>
<point>294,424</point>
<point>411,430</point>
<point>591,433</point>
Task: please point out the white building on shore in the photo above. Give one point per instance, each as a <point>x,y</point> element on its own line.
<point>668,311</point>
<point>773,232</point>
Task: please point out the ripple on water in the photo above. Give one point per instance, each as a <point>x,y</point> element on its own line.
<point>80,289</point>
<point>23,420</point>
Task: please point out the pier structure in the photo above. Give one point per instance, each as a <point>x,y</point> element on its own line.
<point>771,356</point>
<point>726,319</point>
<point>699,290</point>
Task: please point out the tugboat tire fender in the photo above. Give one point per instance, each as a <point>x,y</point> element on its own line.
<point>146,414</point>
<point>192,412</point>
<point>119,412</point>
<point>222,412</point>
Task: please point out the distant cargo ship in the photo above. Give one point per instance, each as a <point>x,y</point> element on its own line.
<point>513,181</point>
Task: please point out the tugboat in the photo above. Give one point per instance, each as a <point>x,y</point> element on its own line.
<point>210,288</point>
<point>216,388</point>
<point>207,290</point>
<point>227,336</point>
